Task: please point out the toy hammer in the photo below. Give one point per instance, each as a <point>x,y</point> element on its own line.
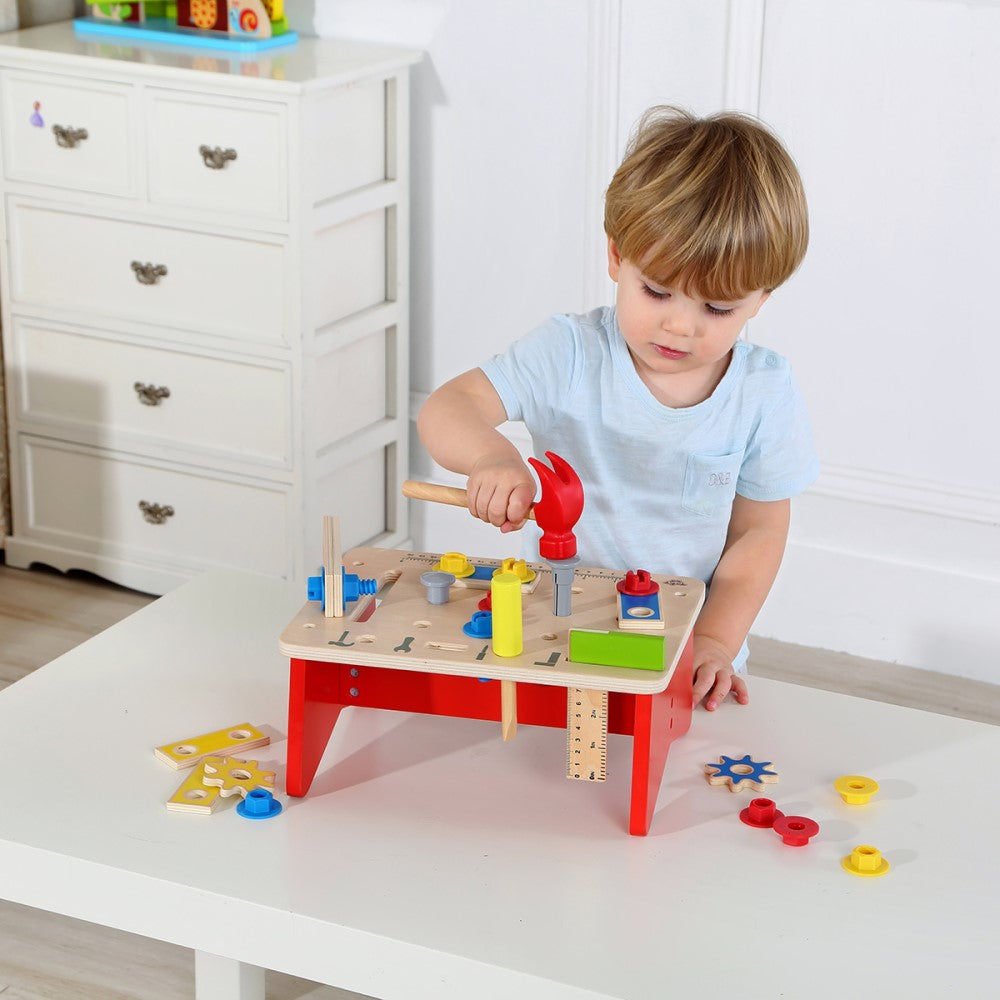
<point>556,513</point>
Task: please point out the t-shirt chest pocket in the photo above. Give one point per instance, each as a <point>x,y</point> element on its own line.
<point>710,483</point>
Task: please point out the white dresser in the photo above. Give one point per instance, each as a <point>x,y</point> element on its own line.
<point>205,305</point>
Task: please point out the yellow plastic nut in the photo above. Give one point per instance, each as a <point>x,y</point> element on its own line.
<point>865,861</point>
<point>856,789</point>
<point>519,568</point>
<point>455,563</point>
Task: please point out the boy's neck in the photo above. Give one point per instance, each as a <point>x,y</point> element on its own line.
<point>681,390</point>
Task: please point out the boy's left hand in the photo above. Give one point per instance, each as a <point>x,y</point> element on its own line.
<point>714,677</point>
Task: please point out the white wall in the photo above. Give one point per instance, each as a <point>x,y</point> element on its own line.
<point>893,112</point>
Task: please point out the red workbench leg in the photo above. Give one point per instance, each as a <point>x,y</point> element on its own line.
<point>659,720</point>
<point>314,704</point>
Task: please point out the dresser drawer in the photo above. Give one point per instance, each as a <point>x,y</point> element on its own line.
<point>93,151</point>
<point>89,500</point>
<point>106,390</point>
<point>223,156</point>
<point>89,266</point>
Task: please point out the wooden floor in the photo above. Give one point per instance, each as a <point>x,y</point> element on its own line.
<point>44,956</point>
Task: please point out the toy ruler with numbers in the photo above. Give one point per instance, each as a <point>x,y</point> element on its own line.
<point>586,734</point>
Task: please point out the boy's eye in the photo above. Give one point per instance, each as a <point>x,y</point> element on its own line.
<point>653,293</point>
<point>719,310</point>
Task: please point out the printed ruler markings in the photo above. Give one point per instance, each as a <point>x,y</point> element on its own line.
<point>586,734</point>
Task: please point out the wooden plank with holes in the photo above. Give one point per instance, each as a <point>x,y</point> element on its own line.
<point>586,734</point>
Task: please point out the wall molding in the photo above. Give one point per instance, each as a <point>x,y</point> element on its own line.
<point>744,55</point>
<point>603,140</point>
<point>906,493</point>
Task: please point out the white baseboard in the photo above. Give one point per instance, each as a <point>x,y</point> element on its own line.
<point>868,606</point>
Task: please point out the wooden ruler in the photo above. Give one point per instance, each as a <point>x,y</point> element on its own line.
<point>586,734</point>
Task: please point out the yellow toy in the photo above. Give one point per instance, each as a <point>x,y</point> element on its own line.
<point>236,777</point>
<point>855,789</point>
<point>187,753</point>
<point>865,861</point>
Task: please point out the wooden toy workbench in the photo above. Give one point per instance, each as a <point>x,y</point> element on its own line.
<point>395,650</point>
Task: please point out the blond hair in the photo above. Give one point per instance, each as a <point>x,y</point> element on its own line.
<point>715,204</point>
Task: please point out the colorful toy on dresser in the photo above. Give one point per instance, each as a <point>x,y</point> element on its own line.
<point>193,21</point>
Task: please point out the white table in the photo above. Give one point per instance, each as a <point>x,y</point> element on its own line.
<point>433,860</point>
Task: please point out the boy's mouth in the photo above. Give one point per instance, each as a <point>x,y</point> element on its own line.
<point>669,352</point>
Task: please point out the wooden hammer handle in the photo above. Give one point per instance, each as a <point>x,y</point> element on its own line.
<point>416,490</point>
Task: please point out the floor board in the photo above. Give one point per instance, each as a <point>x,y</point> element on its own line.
<point>44,956</point>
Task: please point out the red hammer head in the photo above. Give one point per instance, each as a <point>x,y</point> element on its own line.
<point>559,508</point>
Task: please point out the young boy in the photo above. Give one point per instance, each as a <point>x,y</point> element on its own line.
<point>689,442</point>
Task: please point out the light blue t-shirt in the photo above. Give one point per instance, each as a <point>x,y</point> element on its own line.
<point>658,482</point>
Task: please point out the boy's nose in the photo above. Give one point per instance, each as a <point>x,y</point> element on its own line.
<point>679,321</point>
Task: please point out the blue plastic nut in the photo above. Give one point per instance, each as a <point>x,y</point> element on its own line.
<point>259,804</point>
<point>354,587</point>
<point>480,626</point>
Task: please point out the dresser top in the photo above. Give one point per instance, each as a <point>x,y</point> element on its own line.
<point>311,63</point>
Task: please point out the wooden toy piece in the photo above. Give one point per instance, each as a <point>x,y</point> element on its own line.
<point>508,631</point>
<point>740,773</point>
<point>508,709</point>
<point>616,649</point>
<point>856,789</point>
<point>249,18</point>
<point>586,735</point>
<point>638,601</point>
<point>193,796</point>
<point>187,753</point>
<point>865,861</point>
<point>133,12</point>
<point>333,561</point>
<point>451,495</point>
<point>236,777</point>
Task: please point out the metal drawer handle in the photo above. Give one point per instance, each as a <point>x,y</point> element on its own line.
<point>151,395</point>
<point>148,274</point>
<point>216,157</point>
<point>155,513</point>
<point>68,137</point>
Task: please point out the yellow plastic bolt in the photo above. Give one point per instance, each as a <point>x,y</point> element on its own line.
<point>865,861</point>
<point>508,629</point>
<point>856,789</point>
<point>455,563</point>
<point>519,568</point>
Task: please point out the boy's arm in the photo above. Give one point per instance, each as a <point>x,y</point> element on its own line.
<point>741,582</point>
<point>458,426</point>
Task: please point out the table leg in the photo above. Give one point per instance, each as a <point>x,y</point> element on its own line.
<point>314,705</point>
<point>217,978</point>
<point>659,720</point>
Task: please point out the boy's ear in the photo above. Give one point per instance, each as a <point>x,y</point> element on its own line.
<point>614,260</point>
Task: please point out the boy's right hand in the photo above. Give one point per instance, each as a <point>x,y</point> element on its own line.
<point>500,491</point>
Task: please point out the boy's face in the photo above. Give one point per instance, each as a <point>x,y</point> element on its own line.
<point>680,345</point>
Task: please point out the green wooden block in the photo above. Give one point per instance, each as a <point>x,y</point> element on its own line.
<point>616,649</point>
